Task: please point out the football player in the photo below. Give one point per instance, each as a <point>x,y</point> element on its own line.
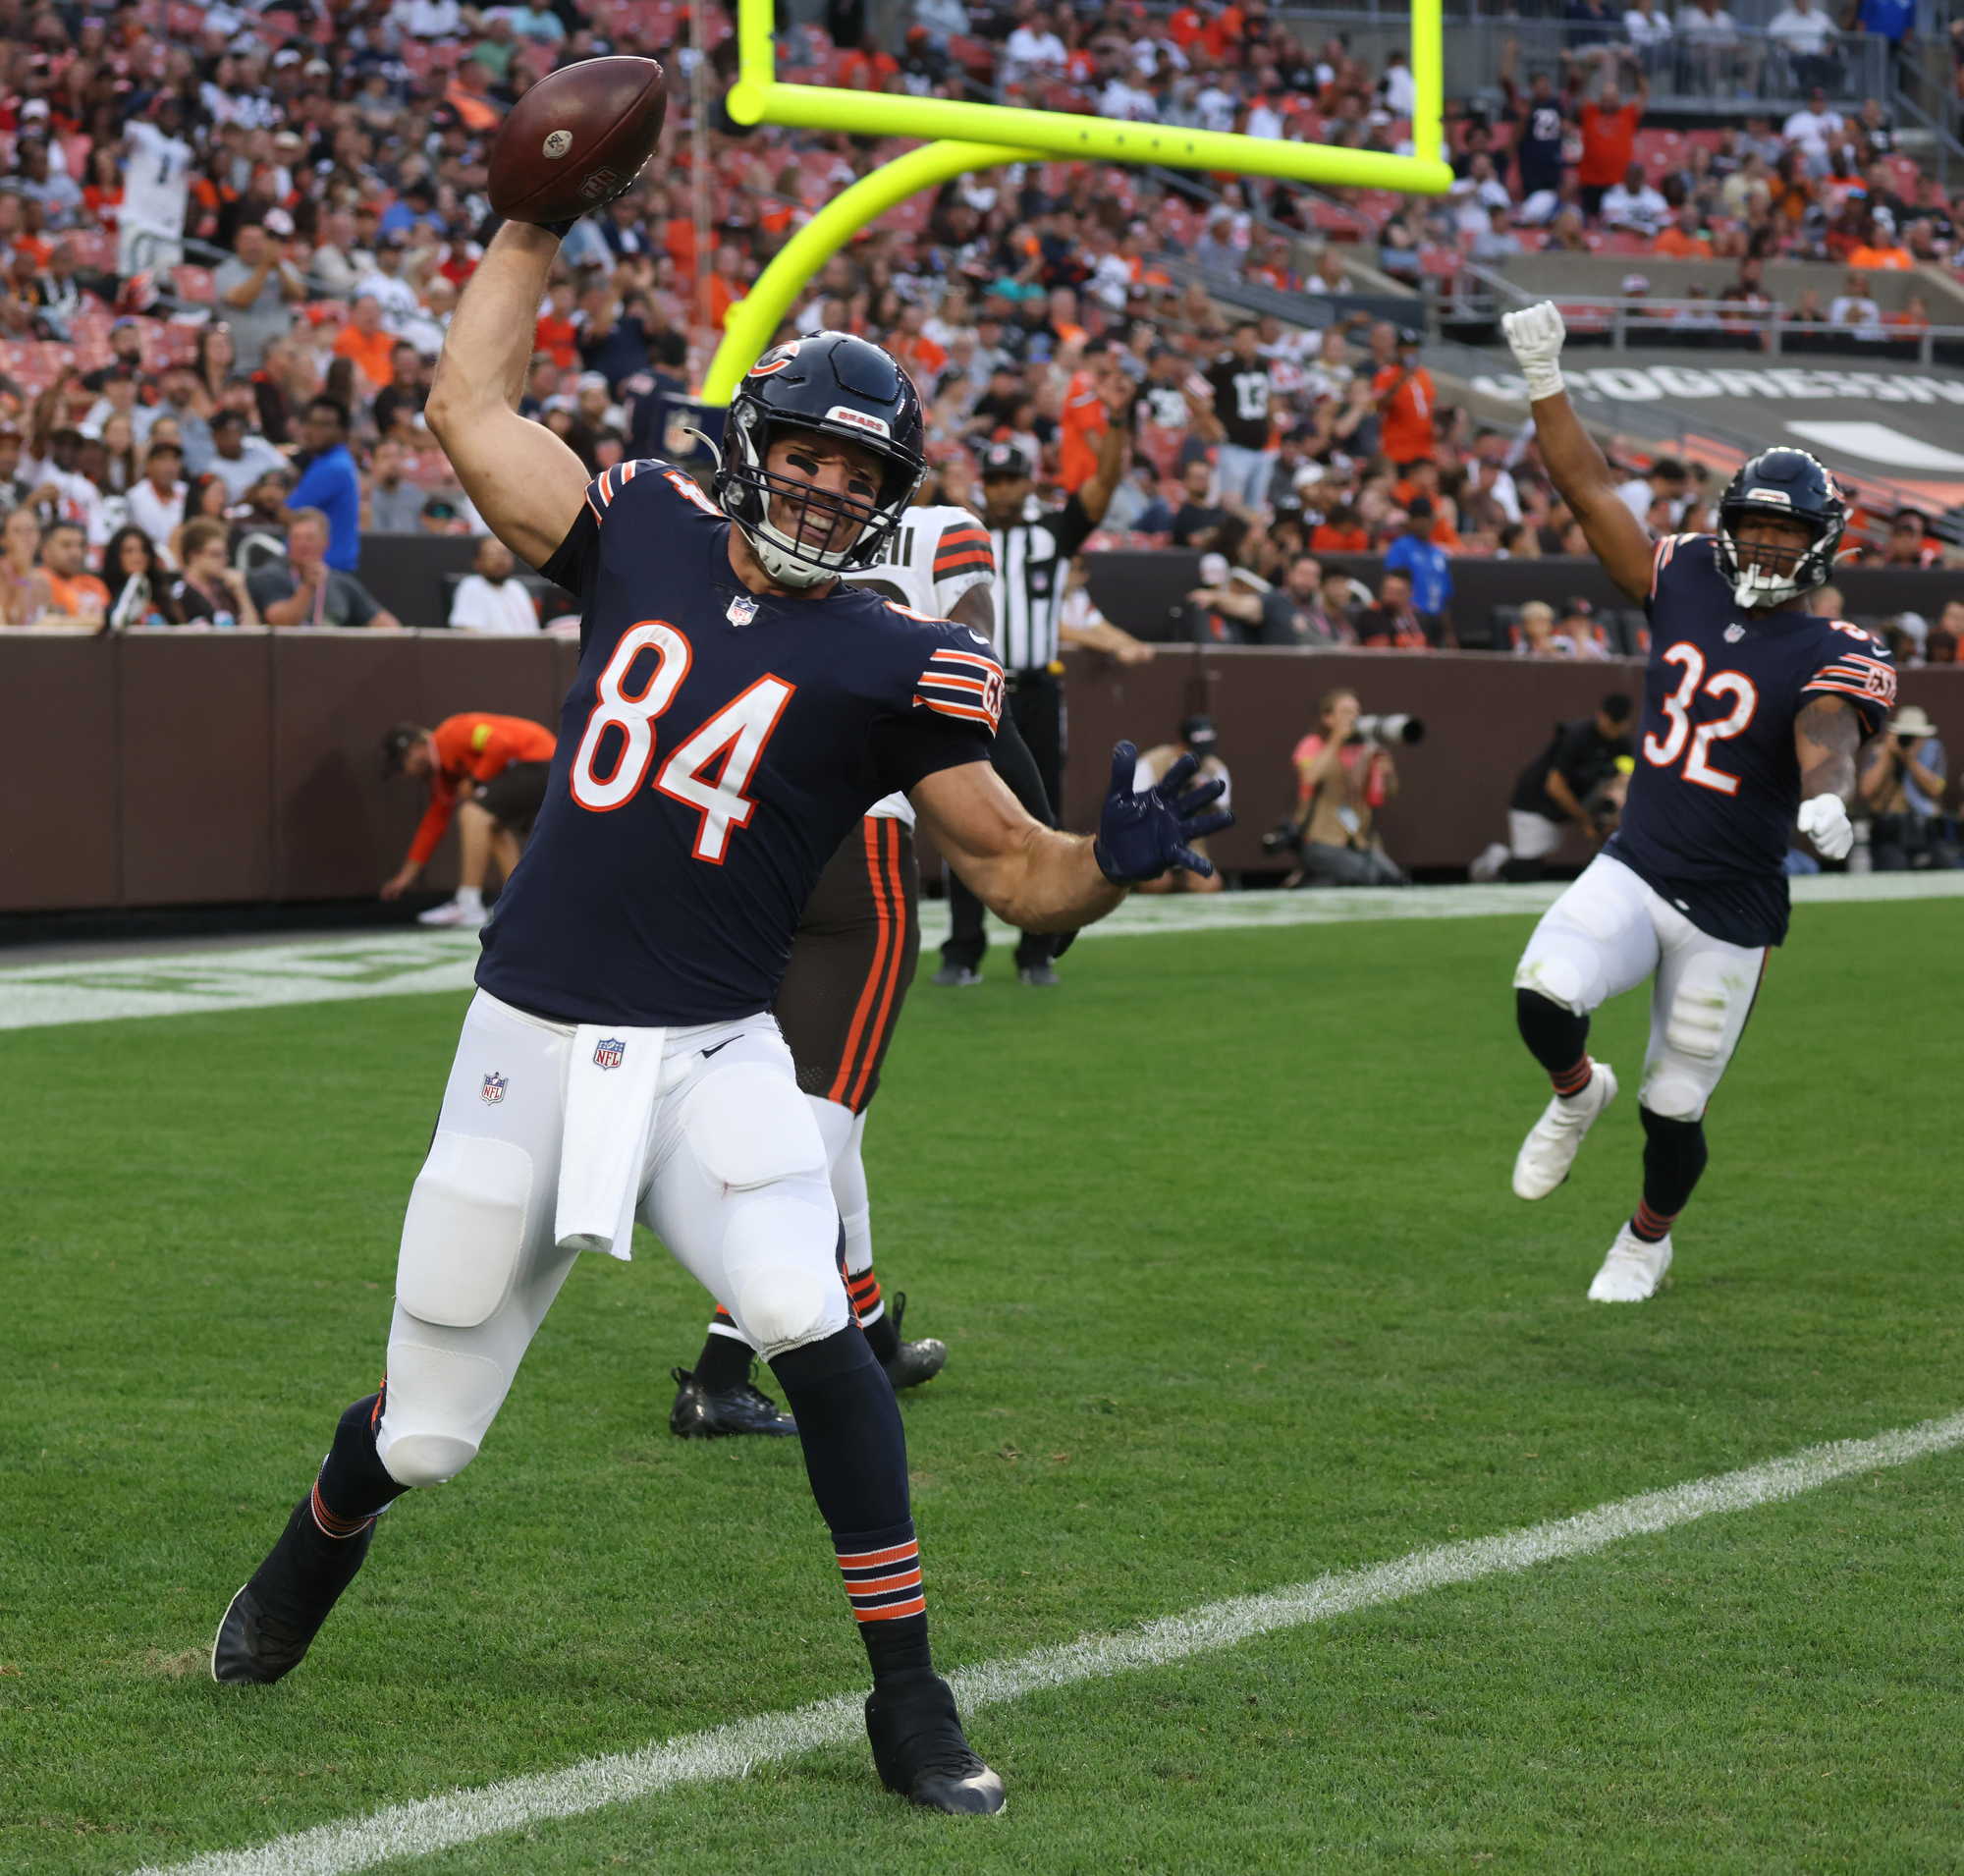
<point>1754,709</point>
<point>850,967</point>
<point>736,711</point>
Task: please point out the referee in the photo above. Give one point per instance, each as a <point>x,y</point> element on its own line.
<point>1032,569</point>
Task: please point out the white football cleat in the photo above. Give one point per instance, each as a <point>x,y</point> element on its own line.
<point>1488,866</point>
<point>1632,1270</point>
<point>1550,1148</point>
<point>455,912</point>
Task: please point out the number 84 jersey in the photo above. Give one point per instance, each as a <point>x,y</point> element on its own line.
<point>715,749</point>
<point>1716,784</point>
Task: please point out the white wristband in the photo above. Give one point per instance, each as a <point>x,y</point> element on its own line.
<point>1544,380</point>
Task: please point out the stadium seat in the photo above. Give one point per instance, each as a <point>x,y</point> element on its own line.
<point>197,283</point>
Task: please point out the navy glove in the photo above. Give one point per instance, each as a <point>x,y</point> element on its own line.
<point>1140,836</point>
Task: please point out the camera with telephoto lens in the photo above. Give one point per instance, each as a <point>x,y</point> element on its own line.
<point>1390,729</point>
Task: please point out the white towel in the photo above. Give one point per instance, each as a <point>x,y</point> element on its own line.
<point>610,1090</point>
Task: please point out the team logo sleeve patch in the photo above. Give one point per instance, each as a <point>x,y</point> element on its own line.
<point>1869,680</point>
<point>962,683</point>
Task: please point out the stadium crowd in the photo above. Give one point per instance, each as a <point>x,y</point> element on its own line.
<point>233,241</point>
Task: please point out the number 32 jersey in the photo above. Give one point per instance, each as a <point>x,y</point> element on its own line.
<point>716,747</point>
<point>1716,784</point>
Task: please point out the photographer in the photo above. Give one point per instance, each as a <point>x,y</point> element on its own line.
<point>1902,782</point>
<point>1197,738</point>
<point>1343,778</point>
<point>1569,781</point>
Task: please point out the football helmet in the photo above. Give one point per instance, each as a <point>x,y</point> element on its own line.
<point>838,386</point>
<point>1786,485</point>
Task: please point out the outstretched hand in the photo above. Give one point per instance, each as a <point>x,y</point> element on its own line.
<point>1141,835</point>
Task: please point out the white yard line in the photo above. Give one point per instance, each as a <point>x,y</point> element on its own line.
<point>405,963</point>
<point>727,1753</point>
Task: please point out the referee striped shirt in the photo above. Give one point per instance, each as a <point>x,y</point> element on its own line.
<point>1032,567</point>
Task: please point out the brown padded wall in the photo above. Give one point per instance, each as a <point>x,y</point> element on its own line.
<point>238,767</point>
<point>59,756</point>
<point>196,770</point>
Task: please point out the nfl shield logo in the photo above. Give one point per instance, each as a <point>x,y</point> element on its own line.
<point>743,609</point>
<point>1733,633</point>
<point>493,1089</point>
<point>609,1052</point>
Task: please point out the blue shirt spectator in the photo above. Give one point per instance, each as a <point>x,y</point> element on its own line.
<point>1894,19</point>
<point>1422,560</point>
<point>331,483</point>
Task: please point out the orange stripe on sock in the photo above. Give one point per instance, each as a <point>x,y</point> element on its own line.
<point>918,1607</point>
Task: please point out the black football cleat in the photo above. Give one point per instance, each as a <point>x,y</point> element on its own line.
<point>957,977</point>
<point>920,1750</point>
<point>698,1415</point>
<point>916,1361</point>
<point>272,1622</point>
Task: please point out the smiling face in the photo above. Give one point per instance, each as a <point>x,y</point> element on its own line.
<point>823,490</point>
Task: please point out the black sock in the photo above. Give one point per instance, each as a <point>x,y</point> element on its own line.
<point>882,1337</point>
<point>855,1455</point>
<point>354,1485</point>
<point>1556,1038</point>
<point>1520,873</point>
<point>1674,1156</point>
<point>724,1363</point>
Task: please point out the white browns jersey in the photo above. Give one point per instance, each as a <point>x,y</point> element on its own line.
<point>935,557</point>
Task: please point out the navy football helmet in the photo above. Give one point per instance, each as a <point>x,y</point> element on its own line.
<point>1783,484</point>
<point>838,386</point>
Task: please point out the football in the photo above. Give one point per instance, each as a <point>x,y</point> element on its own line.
<point>577,140</point>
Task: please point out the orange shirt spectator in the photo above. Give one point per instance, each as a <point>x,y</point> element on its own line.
<point>1185,26</point>
<point>473,747</point>
<point>1221,32</point>
<point>1868,260</point>
<point>76,594</point>
<point>723,293</point>
<point>678,237</point>
<point>1083,429</point>
<point>1675,244</point>
<point>918,355</point>
<point>370,352</point>
<point>1609,144</point>
<point>1404,424</point>
<point>560,336</point>
<point>867,69</point>
<point>1327,539</point>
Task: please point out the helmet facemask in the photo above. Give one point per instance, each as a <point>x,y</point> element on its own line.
<point>802,552</point>
<point>1761,575</point>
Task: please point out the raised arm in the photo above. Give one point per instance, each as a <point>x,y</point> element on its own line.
<point>1576,466</point>
<point>522,479</point>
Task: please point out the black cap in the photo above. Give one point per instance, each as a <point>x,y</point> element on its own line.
<point>1198,734</point>
<point>1408,335</point>
<point>1006,459</point>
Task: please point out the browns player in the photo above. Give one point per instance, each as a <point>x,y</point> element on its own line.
<point>1754,709</point>
<point>736,711</point>
<point>850,967</point>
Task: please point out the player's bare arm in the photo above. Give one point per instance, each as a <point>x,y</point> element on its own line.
<point>1038,880</point>
<point>522,479</point>
<point>1827,738</point>
<point>1581,477</point>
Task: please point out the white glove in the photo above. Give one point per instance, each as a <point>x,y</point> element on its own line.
<point>1535,334</point>
<point>1824,819</point>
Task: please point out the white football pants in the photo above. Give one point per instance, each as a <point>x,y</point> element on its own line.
<point>735,1184</point>
<point>1608,932</point>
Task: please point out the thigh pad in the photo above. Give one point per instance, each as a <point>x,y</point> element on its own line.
<point>464,1232</point>
<point>750,1126</point>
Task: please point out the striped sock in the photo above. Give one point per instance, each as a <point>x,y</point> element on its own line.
<point>1572,1082</point>
<point>353,1476</point>
<point>882,1583</point>
<point>1652,1227</point>
<point>863,1288</point>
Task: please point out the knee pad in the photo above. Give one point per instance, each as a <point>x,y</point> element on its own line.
<point>1557,970</point>
<point>440,1401</point>
<point>1672,1092</point>
<point>780,1256</point>
<point>465,1229</point>
<point>750,1126</point>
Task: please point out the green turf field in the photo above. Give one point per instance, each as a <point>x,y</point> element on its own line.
<point>1221,1240</point>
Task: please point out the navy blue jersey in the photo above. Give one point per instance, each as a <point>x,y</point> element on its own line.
<point>1716,784</point>
<point>715,749</point>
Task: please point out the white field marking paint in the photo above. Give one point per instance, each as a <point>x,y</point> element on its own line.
<point>403,964</point>
<point>435,1824</point>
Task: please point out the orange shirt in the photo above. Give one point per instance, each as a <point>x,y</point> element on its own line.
<point>859,73</point>
<point>723,294</point>
<point>84,593</point>
<point>1680,246</point>
<point>370,353</point>
<point>1326,539</point>
<point>1609,140</point>
<point>1222,30</point>
<point>1404,425</point>
<point>473,747</point>
<point>1868,260</point>
<point>678,237</point>
<point>1084,421</point>
<point>1185,26</point>
<point>561,338</point>
<point>920,356</point>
